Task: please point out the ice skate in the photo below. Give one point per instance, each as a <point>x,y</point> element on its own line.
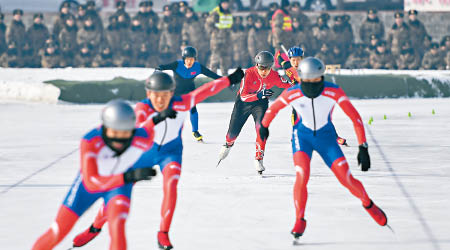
<point>198,136</point>
<point>377,214</point>
<point>259,166</point>
<point>299,228</point>
<point>224,151</point>
<point>163,240</point>
<point>86,236</point>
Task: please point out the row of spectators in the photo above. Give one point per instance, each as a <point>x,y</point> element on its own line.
<point>81,39</point>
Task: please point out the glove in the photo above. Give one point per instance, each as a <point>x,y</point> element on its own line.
<point>167,113</point>
<point>138,174</point>
<point>265,93</point>
<point>363,157</point>
<point>236,76</point>
<point>263,133</point>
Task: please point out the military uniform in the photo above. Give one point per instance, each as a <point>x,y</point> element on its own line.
<point>141,57</point>
<point>37,34</point>
<point>257,38</point>
<point>417,30</point>
<point>239,37</point>
<point>382,59</point>
<point>153,43</point>
<point>50,57</point>
<point>105,58</point>
<point>89,34</point>
<point>219,25</point>
<point>2,35</point>
<point>281,30</point>
<point>138,35</point>
<point>68,35</point>
<point>60,20</point>
<point>124,57</point>
<point>193,32</point>
<point>11,58</point>
<point>16,31</point>
<point>120,11</point>
<point>296,12</point>
<point>325,54</point>
<point>358,59</point>
<point>170,30</point>
<point>408,59</point>
<point>321,31</point>
<point>432,59</point>
<point>68,53</point>
<point>341,36</point>
<point>371,27</point>
<point>85,56</point>
<point>398,35</point>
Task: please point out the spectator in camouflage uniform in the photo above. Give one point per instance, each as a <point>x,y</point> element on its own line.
<point>321,31</point>
<point>372,47</point>
<point>250,21</point>
<point>170,30</point>
<point>398,34</point>
<point>239,37</point>
<point>408,58</point>
<point>138,35</point>
<point>282,28</point>
<point>142,14</point>
<point>166,55</point>
<point>29,58</point>
<point>120,10</point>
<point>89,34</point>
<point>124,57</point>
<point>193,31</point>
<point>341,35</point>
<point>37,34</point>
<point>417,29</point>
<point>444,48</point>
<point>425,46</point>
<point>11,58</point>
<point>359,58</point>
<point>16,30</point>
<point>81,16</point>
<point>68,52</point>
<point>302,35</point>
<point>325,54</point>
<point>141,56</point>
<point>61,18</point>
<point>105,58</point>
<point>382,58</point>
<point>257,38</point>
<point>296,12</point>
<point>85,55</point>
<point>371,26</point>
<point>51,56</point>
<point>2,34</point>
<point>153,43</point>
<point>219,25</point>
<point>432,59</point>
<point>337,56</point>
<point>68,35</point>
<point>92,12</point>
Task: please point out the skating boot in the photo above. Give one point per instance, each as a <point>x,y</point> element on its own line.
<point>259,166</point>
<point>224,151</point>
<point>198,136</point>
<point>299,228</point>
<point>163,240</point>
<point>86,236</point>
<point>377,214</point>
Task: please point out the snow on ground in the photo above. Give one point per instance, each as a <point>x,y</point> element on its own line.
<point>230,207</point>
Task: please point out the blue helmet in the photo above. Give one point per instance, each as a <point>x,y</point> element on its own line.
<point>295,51</point>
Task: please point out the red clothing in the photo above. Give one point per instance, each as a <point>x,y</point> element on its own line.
<point>252,83</point>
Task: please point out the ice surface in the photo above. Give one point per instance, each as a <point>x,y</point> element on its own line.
<point>230,207</point>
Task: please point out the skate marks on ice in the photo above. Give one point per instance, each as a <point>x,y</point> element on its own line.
<point>51,164</point>
<point>412,204</point>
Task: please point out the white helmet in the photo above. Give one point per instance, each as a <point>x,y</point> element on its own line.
<point>311,68</point>
<point>118,115</point>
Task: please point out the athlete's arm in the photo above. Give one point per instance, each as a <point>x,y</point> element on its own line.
<point>142,113</point>
<point>89,171</point>
<point>353,114</point>
<point>281,102</point>
<point>171,66</point>
<point>205,71</point>
<point>280,82</point>
<point>194,97</point>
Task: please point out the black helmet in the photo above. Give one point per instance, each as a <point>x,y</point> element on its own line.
<point>159,81</point>
<point>265,59</point>
<point>189,51</point>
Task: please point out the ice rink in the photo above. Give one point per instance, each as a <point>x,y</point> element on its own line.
<point>230,207</point>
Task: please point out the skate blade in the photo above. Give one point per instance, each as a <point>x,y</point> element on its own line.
<point>218,163</point>
<point>260,172</point>
<point>296,242</point>
<point>390,228</point>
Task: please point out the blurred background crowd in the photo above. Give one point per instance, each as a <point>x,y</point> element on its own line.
<point>81,37</point>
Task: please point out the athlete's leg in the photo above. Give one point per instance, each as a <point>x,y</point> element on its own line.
<point>194,119</point>
<point>171,174</point>
<point>90,233</point>
<point>302,169</point>
<point>258,112</point>
<point>65,219</point>
<point>240,114</point>
<point>117,210</point>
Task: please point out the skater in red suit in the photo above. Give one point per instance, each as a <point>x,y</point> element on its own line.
<point>168,146</point>
<point>313,100</point>
<point>253,99</point>
<point>107,156</point>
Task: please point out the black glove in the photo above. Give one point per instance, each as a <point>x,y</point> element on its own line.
<point>363,157</point>
<point>138,174</point>
<point>263,133</point>
<point>161,116</point>
<point>265,93</point>
<point>236,76</point>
